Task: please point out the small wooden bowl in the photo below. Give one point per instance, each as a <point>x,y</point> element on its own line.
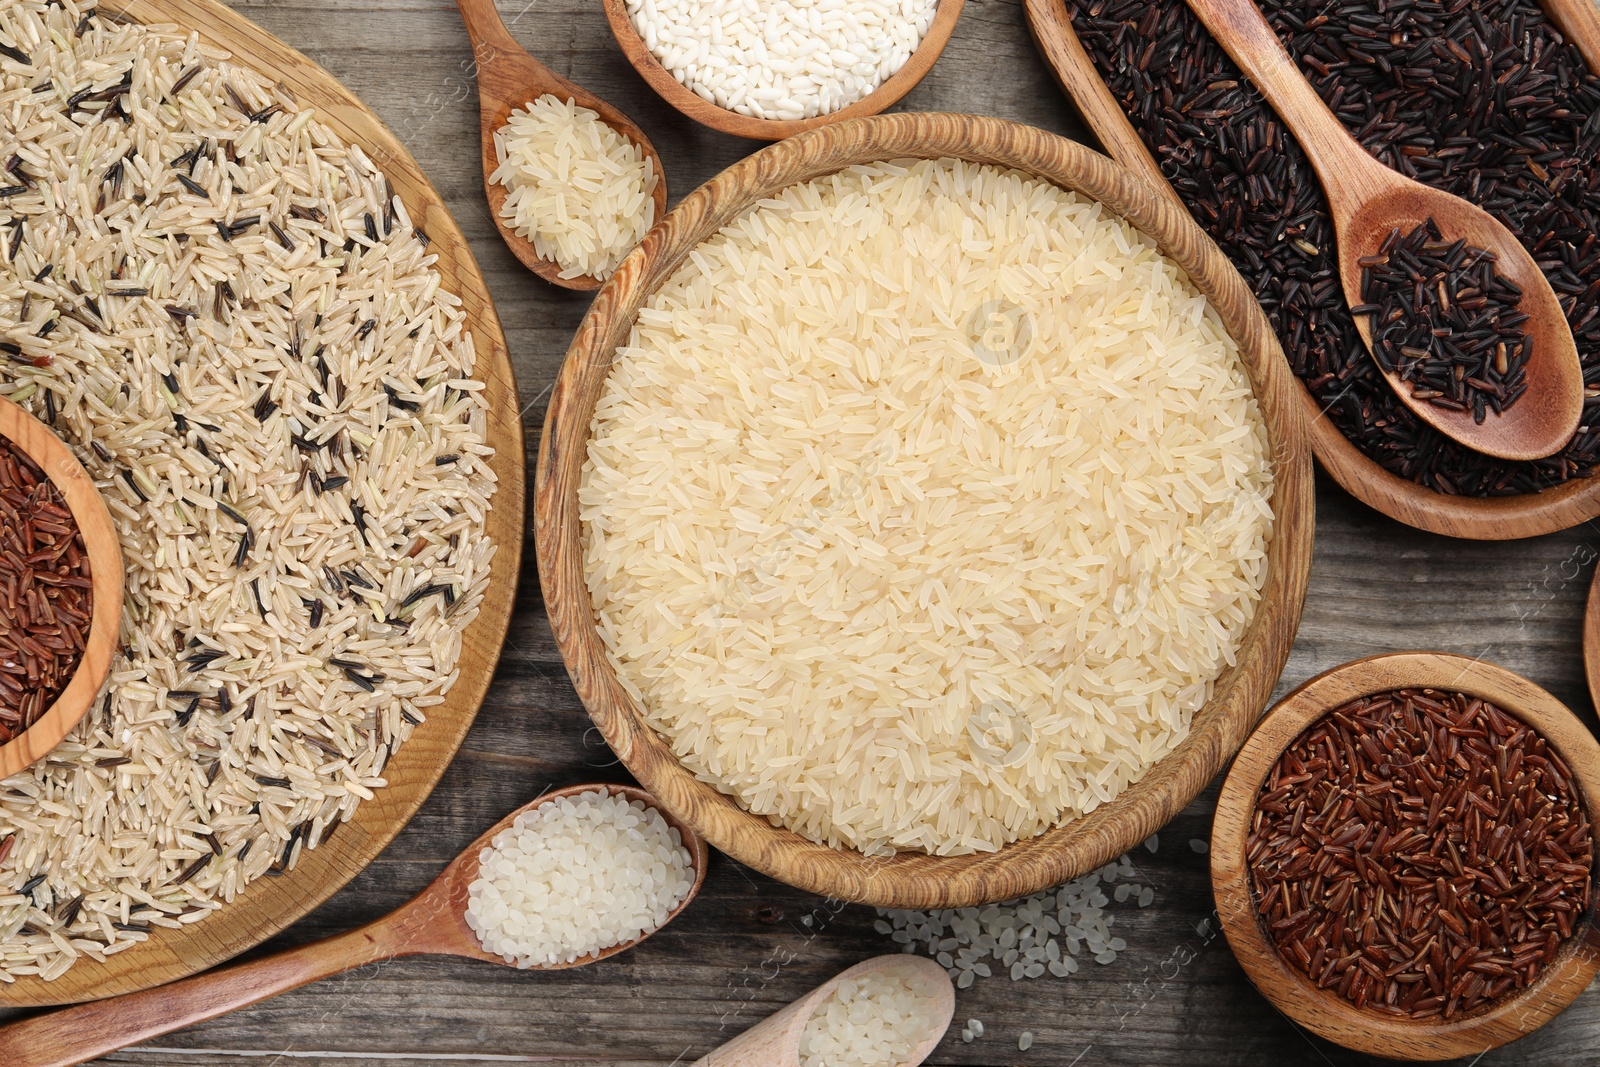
<point>1501,518</point>
<point>34,438</point>
<point>721,119</point>
<point>1328,1014</point>
<point>917,880</point>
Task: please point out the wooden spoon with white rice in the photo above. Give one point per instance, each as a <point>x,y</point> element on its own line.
<point>589,857</point>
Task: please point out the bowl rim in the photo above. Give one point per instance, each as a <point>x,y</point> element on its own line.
<point>1477,518</point>
<point>1575,964</point>
<point>104,549</point>
<point>886,95</point>
<point>918,880</point>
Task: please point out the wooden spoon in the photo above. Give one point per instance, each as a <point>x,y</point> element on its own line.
<point>775,1041</point>
<point>509,78</point>
<point>434,924</point>
<point>34,439</point>
<point>1368,200</point>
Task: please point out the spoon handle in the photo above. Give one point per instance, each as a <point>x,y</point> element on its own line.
<point>1340,161</point>
<point>490,37</point>
<point>82,1033</point>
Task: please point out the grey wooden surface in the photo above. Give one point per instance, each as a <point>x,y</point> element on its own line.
<point>1176,996</point>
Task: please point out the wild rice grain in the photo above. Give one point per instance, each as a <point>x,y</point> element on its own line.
<point>1485,99</point>
<point>1445,321</point>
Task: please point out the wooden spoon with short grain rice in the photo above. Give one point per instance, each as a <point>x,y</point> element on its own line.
<point>433,924</point>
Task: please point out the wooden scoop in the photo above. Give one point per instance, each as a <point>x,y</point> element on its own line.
<point>1368,200</point>
<point>775,1041</point>
<point>434,924</point>
<point>509,78</point>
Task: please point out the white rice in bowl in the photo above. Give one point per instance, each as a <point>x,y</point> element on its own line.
<point>229,316</point>
<point>924,507</point>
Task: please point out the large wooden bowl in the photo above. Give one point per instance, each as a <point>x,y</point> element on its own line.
<point>270,904</point>
<point>1478,518</point>
<point>1325,1013</point>
<point>721,119</point>
<point>35,440</point>
<point>918,880</point>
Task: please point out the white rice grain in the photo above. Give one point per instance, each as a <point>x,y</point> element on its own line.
<point>874,1020</point>
<point>575,876</point>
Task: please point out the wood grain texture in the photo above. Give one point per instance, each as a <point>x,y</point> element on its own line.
<point>270,904</point>
<point>1591,640</point>
<point>1368,201</point>
<point>914,879</point>
<point>432,924</point>
<point>1579,20</point>
<point>722,120</point>
<point>1513,1017</point>
<point>35,440</point>
<point>1486,518</point>
<point>751,945</point>
<point>509,78</point>
<point>775,1040</point>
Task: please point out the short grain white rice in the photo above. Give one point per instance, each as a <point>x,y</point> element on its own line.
<point>1024,938</point>
<point>874,1020</point>
<point>889,578</point>
<point>782,59</point>
<point>575,187</point>
<point>575,876</point>
<point>230,738</point>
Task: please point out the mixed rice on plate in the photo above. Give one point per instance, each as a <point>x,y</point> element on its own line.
<point>228,315</point>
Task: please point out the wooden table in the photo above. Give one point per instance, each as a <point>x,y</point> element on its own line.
<point>750,945</point>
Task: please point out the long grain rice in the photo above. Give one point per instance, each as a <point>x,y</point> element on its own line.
<point>924,507</point>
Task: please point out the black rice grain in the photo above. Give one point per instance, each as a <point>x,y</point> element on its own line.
<point>1482,98</point>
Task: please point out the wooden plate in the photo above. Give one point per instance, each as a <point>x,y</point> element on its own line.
<point>916,880</point>
<point>706,113</point>
<point>270,904</point>
<point>1324,1013</point>
<point>1478,518</point>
